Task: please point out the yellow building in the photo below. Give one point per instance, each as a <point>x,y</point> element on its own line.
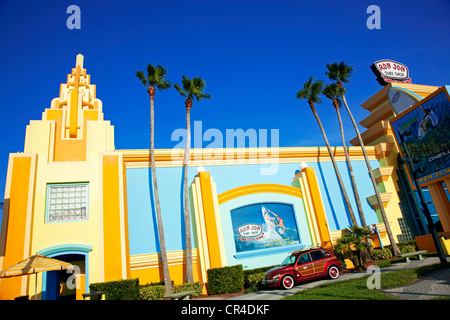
<point>72,196</point>
<point>65,193</point>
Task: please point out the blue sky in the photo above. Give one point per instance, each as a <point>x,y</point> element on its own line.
<point>253,55</point>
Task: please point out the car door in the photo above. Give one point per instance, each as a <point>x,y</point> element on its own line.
<point>319,259</point>
<point>304,266</point>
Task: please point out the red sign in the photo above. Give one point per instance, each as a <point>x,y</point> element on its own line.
<point>390,71</point>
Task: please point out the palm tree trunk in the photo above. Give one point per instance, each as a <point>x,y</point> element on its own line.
<point>350,169</point>
<point>341,184</point>
<point>372,178</point>
<point>187,216</point>
<point>162,242</point>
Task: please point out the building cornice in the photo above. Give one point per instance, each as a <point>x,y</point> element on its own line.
<point>227,156</point>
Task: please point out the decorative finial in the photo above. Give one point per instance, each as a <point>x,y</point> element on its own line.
<point>79,62</point>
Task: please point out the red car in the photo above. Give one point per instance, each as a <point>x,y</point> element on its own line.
<point>302,265</point>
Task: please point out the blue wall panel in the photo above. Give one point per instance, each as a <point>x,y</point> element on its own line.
<point>142,217</point>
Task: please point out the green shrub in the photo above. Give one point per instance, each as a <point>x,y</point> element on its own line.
<point>379,254</point>
<point>249,273</point>
<point>407,248</point>
<point>192,286</point>
<point>225,280</point>
<point>118,290</point>
<point>254,280</point>
<point>152,292</point>
<point>156,291</point>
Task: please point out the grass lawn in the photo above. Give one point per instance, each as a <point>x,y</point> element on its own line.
<point>356,289</point>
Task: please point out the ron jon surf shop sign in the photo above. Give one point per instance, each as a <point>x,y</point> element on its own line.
<point>390,71</point>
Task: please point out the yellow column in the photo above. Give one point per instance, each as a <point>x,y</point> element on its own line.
<point>80,286</point>
<point>115,240</point>
<point>314,200</point>
<point>207,225</point>
<point>210,220</point>
<point>73,114</point>
<point>441,203</point>
<point>16,224</point>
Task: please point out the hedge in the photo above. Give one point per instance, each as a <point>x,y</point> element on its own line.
<point>379,254</point>
<point>118,290</point>
<point>152,292</point>
<point>254,280</point>
<point>254,277</point>
<point>157,291</point>
<point>225,280</point>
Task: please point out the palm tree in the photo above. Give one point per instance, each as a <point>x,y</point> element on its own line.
<point>360,239</point>
<point>333,92</point>
<point>156,78</point>
<point>191,89</point>
<point>311,91</point>
<point>341,73</point>
<point>343,249</point>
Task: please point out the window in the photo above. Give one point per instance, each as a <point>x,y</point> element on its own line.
<point>317,255</point>
<point>288,261</point>
<point>304,258</point>
<point>67,202</point>
<point>326,253</point>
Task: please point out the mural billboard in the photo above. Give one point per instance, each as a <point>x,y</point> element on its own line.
<point>264,225</point>
<point>428,143</point>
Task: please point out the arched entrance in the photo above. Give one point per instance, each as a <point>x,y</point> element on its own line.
<point>61,285</point>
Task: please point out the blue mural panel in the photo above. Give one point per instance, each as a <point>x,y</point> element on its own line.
<point>264,225</point>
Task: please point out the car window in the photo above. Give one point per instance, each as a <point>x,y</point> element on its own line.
<point>304,258</point>
<point>317,255</point>
<point>288,261</point>
<point>326,253</point>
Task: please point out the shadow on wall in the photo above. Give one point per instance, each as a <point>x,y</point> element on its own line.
<point>325,186</point>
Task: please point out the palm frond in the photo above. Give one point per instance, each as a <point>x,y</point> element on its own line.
<point>333,92</point>
<point>339,72</point>
<point>200,96</point>
<point>178,88</point>
<point>150,70</point>
<point>141,77</point>
<point>163,85</point>
<point>156,77</point>
<point>311,90</point>
<point>193,89</point>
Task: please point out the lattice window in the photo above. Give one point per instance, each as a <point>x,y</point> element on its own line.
<point>406,231</point>
<point>67,202</point>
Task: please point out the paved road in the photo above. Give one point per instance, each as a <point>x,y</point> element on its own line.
<point>435,284</point>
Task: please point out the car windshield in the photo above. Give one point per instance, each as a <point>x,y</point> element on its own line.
<point>290,260</point>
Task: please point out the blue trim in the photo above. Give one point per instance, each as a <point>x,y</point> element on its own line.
<point>64,248</point>
<point>409,93</point>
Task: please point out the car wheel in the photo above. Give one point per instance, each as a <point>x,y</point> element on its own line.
<point>287,282</point>
<point>333,272</point>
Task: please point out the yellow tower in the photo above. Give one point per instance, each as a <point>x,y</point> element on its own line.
<point>64,195</point>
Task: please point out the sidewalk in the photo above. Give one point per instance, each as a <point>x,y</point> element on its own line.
<point>435,284</point>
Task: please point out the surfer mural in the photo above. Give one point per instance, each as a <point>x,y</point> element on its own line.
<point>264,225</point>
